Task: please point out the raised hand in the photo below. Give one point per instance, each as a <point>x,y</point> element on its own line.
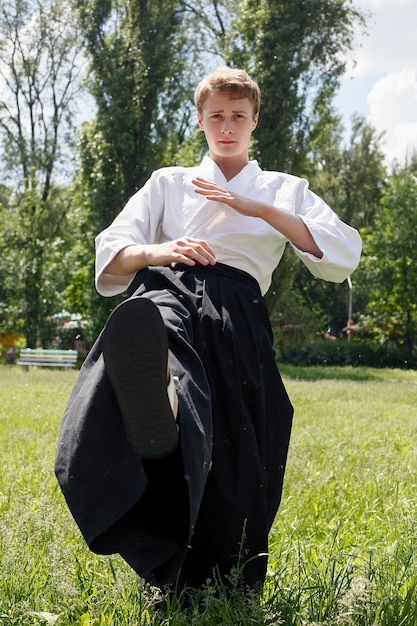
<point>241,204</point>
<point>291,226</point>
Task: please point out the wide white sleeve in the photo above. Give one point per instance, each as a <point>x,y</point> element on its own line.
<point>340,243</point>
<point>138,223</point>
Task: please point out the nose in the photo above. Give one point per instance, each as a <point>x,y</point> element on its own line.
<point>227,127</point>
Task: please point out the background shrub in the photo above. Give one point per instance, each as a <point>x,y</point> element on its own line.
<point>342,353</point>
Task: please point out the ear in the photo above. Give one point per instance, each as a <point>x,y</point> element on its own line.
<point>200,120</point>
<point>255,121</point>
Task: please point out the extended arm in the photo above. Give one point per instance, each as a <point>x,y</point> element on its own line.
<point>291,226</point>
<point>184,250</point>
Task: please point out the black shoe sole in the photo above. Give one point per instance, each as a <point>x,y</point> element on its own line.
<point>135,352</point>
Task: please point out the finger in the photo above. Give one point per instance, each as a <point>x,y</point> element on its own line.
<point>203,254</point>
<point>200,181</point>
<point>205,184</point>
<point>210,191</point>
<point>196,250</point>
<point>196,244</point>
<point>203,257</point>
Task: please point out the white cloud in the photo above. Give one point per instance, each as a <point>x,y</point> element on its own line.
<point>393,108</point>
<point>382,85</point>
<point>391,40</point>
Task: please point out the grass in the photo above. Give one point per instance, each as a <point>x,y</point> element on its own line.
<point>343,547</point>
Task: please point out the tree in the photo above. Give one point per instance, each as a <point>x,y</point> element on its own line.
<point>133,48</point>
<point>352,178</point>
<point>40,74</point>
<point>133,64</point>
<point>389,266</point>
<point>296,51</point>
<point>362,175</point>
<point>146,58</point>
<point>7,287</point>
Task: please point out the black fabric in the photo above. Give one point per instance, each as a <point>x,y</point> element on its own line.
<point>212,502</point>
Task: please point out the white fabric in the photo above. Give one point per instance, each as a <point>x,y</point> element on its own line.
<point>167,208</point>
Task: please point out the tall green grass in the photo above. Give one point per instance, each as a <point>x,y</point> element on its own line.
<point>343,547</point>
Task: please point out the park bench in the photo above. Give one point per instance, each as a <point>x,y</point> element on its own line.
<point>47,358</point>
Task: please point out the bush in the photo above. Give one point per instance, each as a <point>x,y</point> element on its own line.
<point>342,353</point>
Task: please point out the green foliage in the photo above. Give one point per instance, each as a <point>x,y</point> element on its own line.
<point>302,306</point>
<point>144,61</point>
<point>344,353</point>
<point>291,311</point>
<point>388,269</point>
<point>294,50</point>
<point>40,75</point>
<point>351,178</point>
<point>363,175</point>
<point>43,261</point>
<point>134,62</point>
<point>135,59</point>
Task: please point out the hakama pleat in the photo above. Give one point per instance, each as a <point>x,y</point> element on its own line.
<point>212,502</point>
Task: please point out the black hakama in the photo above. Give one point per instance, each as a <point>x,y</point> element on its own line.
<point>212,502</point>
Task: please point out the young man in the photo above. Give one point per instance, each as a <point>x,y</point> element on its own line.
<point>174,443</point>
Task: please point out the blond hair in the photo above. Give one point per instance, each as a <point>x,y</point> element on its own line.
<point>237,84</point>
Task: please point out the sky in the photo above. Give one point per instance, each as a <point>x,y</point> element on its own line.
<point>382,83</point>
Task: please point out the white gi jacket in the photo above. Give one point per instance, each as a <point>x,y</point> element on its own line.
<point>167,208</point>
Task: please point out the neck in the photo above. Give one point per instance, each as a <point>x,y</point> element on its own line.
<point>230,167</point>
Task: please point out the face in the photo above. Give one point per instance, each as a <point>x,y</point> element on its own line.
<point>228,125</point>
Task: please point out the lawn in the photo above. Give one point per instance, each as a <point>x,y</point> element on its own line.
<point>343,549</point>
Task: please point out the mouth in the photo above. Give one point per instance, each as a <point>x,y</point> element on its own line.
<point>227,142</point>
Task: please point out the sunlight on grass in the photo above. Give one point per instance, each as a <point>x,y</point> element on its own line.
<point>343,546</point>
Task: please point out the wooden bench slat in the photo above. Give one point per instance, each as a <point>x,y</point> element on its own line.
<point>47,358</point>
<point>40,351</point>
